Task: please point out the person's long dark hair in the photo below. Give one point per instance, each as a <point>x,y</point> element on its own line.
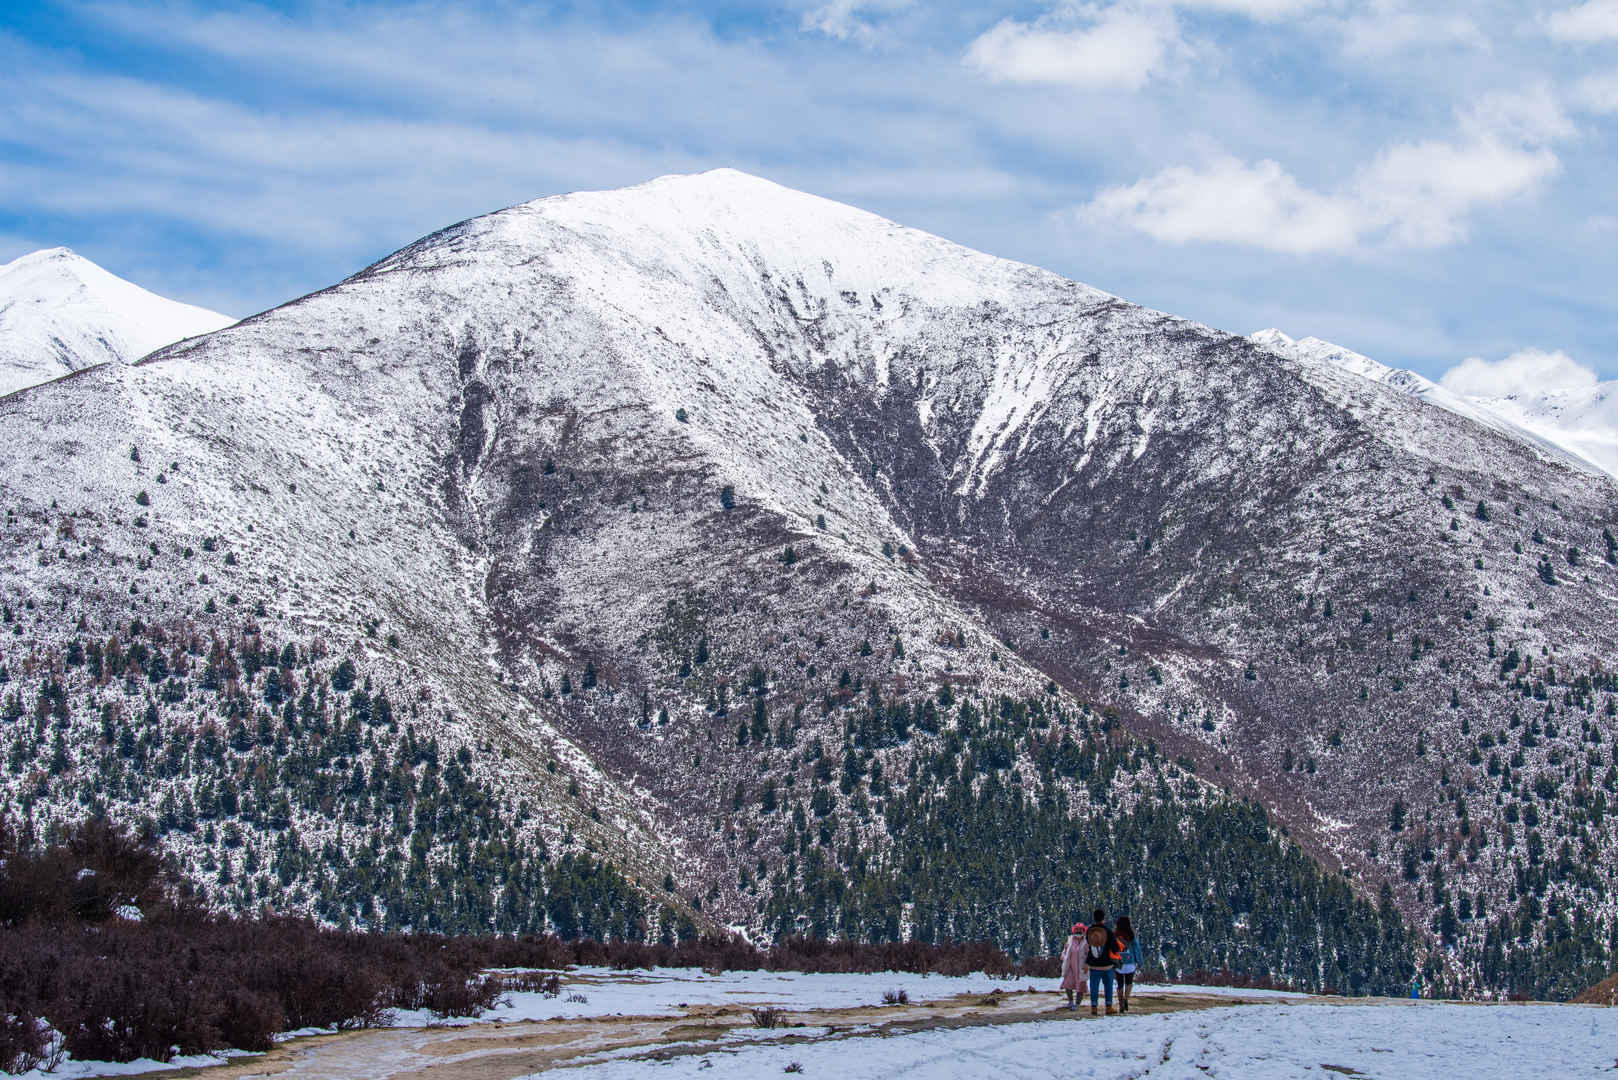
<point>1124,932</point>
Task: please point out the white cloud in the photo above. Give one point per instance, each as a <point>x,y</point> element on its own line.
<point>846,20</point>
<point>1421,195</point>
<point>1382,33</point>
<point>1533,115</point>
<point>1261,10</point>
<point>1230,202</point>
<point>1597,93</point>
<point>1088,48</point>
<point>1594,20</point>
<point>1529,371</point>
<point>1411,195</point>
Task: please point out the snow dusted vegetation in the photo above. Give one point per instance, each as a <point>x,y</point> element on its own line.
<point>817,574</point>
<point>60,313</point>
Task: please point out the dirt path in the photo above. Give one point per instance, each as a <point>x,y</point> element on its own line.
<point>506,1050</point>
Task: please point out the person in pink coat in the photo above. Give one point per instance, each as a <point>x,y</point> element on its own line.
<point>1072,978</point>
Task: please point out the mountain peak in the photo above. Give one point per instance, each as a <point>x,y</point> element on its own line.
<point>725,189</point>
<point>58,263</point>
<point>60,312</point>
<point>43,255</point>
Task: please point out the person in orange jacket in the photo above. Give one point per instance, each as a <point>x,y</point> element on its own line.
<point>1129,960</point>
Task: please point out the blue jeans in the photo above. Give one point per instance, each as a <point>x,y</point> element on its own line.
<point>1099,979</point>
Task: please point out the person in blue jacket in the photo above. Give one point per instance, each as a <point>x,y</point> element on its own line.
<point>1129,960</point>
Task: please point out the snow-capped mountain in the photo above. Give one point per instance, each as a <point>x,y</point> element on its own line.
<point>1584,420</point>
<point>697,509</point>
<point>60,312</point>
<point>1535,422</point>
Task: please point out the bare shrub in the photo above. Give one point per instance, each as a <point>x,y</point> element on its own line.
<point>895,997</point>
<point>768,1016</point>
<point>24,1042</point>
<point>1602,993</point>
<point>548,983</point>
<point>453,994</point>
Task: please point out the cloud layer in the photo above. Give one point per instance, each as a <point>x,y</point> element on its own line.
<point>1411,195</point>
<point>1115,47</point>
<point>1526,372</point>
<point>1595,20</point>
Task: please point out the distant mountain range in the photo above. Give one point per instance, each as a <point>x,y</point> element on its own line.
<point>797,570</point>
<point>1579,422</point>
<point>60,313</point>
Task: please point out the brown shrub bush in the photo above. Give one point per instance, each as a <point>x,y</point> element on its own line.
<point>1604,992</point>
<point>180,979</point>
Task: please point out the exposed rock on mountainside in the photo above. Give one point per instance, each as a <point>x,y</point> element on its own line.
<point>60,313</point>
<point>679,493</point>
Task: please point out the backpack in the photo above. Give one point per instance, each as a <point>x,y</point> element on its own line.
<point>1129,958</point>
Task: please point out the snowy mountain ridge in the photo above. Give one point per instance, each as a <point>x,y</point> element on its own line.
<point>670,498</point>
<point>1584,419</point>
<point>60,313</point>
<point>1575,425</point>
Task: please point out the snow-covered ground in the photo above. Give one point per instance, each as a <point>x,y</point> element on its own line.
<point>1414,1041</point>
<point>588,992</point>
<point>69,1069</point>
<point>669,991</point>
<point>1281,1035</point>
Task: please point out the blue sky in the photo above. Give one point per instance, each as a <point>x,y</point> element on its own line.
<point>1421,182</point>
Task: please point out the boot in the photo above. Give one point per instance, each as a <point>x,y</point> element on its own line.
<point>1109,1010</point>
<point>1123,1006</point>
<point>1095,1011</point>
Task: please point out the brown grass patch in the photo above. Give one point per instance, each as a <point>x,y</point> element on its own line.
<point>1604,992</point>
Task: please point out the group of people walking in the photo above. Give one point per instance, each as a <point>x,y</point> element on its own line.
<point>1106,956</point>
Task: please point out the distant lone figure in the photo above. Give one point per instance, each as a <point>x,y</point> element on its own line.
<point>1100,958</point>
<point>1129,960</point>
<point>1072,956</point>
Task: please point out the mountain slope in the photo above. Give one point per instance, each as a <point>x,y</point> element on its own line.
<point>61,313</point>
<point>661,501</point>
<point>1525,422</point>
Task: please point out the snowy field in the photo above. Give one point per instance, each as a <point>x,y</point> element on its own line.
<point>669,991</point>
<point>687,1023</point>
<point>1397,1041</point>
